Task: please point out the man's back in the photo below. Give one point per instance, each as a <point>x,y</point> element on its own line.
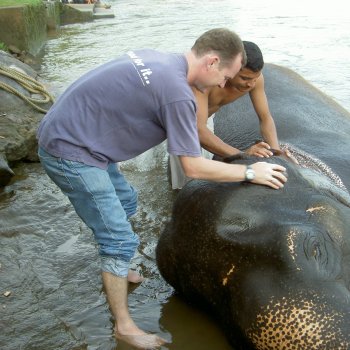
<point>97,120</point>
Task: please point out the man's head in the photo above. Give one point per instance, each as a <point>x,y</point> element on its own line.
<point>255,60</point>
<point>247,77</point>
<point>221,55</point>
<point>221,41</point>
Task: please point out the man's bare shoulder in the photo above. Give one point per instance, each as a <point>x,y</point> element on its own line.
<point>222,96</point>
<point>259,88</point>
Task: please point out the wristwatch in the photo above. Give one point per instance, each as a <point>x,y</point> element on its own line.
<point>249,174</point>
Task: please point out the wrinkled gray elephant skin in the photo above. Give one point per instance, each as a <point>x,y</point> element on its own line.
<point>273,266</point>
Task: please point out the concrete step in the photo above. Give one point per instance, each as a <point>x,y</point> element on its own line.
<point>82,7</point>
<point>97,11</point>
<point>101,12</point>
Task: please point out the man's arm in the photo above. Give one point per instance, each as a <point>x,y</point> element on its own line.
<point>267,124</point>
<point>201,168</point>
<point>207,138</point>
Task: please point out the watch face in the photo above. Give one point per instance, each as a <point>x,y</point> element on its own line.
<point>250,174</point>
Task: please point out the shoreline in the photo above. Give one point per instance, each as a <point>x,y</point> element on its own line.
<point>25,28</point>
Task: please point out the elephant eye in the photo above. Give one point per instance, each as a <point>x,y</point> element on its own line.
<point>321,250</point>
<point>314,246</point>
<point>316,252</point>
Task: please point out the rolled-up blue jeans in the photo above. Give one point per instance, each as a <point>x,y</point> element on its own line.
<point>104,200</point>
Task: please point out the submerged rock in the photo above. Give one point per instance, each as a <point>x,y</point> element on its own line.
<point>18,119</point>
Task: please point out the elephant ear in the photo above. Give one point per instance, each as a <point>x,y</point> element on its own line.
<point>325,185</point>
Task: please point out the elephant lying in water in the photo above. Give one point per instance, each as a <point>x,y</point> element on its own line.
<point>273,266</point>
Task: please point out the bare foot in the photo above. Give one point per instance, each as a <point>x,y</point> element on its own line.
<point>134,277</point>
<point>133,335</point>
<point>144,341</point>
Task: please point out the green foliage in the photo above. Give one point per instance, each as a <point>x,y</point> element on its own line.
<point>4,3</point>
<point>3,46</point>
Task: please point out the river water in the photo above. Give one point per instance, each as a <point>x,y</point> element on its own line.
<point>48,257</point>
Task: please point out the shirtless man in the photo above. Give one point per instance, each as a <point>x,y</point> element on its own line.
<point>249,80</point>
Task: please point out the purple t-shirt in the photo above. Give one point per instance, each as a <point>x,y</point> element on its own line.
<point>123,108</point>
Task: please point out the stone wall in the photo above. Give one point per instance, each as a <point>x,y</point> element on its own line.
<point>71,15</point>
<point>24,27</point>
<point>53,15</point>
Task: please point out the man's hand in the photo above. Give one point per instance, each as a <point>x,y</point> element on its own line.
<point>286,155</point>
<point>261,149</point>
<point>291,158</point>
<point>269,174</point>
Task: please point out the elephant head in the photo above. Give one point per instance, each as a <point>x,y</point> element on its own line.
<point>273,266</point>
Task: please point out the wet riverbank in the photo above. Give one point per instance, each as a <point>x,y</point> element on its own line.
<point>49,263</point>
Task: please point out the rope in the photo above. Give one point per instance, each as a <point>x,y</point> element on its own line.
<point>29,84</point>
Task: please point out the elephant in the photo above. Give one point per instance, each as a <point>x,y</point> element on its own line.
<point>271,266</point>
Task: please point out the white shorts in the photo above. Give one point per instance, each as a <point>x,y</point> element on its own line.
<point>178,177</point>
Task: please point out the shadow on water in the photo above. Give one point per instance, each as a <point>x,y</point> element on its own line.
<point>49,263</point>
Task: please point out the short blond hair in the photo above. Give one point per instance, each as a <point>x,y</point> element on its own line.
<point>224,42</point>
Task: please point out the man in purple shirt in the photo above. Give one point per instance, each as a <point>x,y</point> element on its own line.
<point>118,111</point>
